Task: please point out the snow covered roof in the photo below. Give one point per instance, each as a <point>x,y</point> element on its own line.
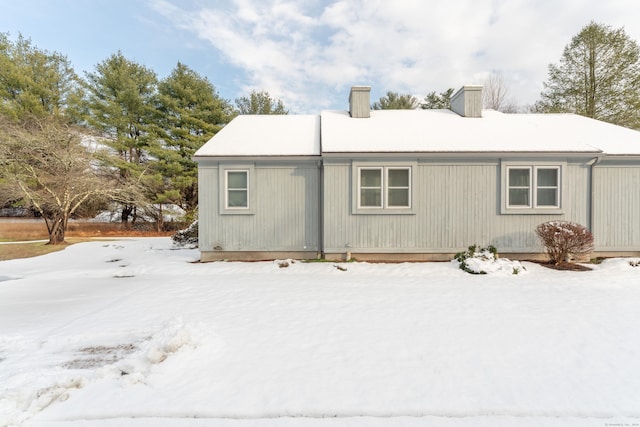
<point>414,131</point>
<point>443,131</point>
<point>266,135</point>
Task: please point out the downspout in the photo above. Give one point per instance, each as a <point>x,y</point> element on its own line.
<point>320,209</point>
<point>592,163</point>
<point>320,196</point>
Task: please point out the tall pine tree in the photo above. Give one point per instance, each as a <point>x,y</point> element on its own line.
<point>434,101</point>
<point>395,101</point>
<point>260,103</point>
<point>191,112</point>
<point>598,76</point>
<point>121,106</point>
<point>36,83</point>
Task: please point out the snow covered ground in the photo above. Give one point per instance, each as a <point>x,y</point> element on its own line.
<point>133,333</point>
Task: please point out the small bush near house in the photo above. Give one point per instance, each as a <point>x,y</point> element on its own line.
<point>475,252</point>
<point>187,237</point>
<point>564,240</point>
<point>477,260</point>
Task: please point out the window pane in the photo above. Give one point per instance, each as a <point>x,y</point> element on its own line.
<point>547,177</point>
<point>370,177</point>
<point>518,197</point>
<point>237,179</point>
<point>371,197</point>
<point>547,197</point>
<point>398,177</point>
<point>518,177</point>
<point>398,197</point>
<point>237,199</point>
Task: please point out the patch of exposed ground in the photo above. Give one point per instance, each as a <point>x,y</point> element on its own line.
<point>99,356</point>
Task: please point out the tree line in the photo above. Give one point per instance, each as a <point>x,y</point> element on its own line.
<point>118,137</point>
<point>598,76</point>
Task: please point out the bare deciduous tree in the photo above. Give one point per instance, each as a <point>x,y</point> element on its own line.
<point>44,163</point>
<point>495,94</point>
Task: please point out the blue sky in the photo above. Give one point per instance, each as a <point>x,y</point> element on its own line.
<point>309,52</point>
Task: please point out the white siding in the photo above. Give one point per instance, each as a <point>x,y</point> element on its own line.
<point>286,214</point>
<point>456,205</point>
<point>616,207</point>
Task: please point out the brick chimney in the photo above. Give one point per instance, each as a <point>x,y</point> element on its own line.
<point>467,102</point>
<point>360,101</point>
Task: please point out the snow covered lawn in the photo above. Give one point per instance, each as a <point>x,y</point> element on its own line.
<point>133,333</point>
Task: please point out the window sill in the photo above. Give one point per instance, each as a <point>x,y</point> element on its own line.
<point>531,211</point>
<point>237,212</point>
<point>381,211</point>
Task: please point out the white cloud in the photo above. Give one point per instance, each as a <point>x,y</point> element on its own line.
<point>309,53</point>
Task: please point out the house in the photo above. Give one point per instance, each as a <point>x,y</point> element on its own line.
<point>414,184</point>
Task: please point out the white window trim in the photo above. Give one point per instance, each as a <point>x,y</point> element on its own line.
<point>359,187</point>
<point>533,207</point>
<point>387,187</point>
<point>538,187</point>
<point>223,190</point>
<point>226,188</point>
<point>384,207</point>
<point>510,187</point>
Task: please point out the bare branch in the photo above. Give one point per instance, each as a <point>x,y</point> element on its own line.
<point>54,172</point>
<point>495,94</point>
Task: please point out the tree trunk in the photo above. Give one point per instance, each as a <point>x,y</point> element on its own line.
<point>160,220</point>
<point>191,199</point>
<point>592,83</point>
<point>57,227</point>
<point>127,210</point>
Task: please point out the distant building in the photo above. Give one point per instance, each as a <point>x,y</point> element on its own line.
<point>15,212</point>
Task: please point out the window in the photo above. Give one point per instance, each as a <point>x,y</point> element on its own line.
<point>370,188</point>
<point>383,188</point>
<point>398,187</point>
<point>531,188</point>
<point>547,187</point>
<point>519,187</point>
<point>236,189</point>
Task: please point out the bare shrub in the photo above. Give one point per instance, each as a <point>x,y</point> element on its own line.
<point>564,240</point>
